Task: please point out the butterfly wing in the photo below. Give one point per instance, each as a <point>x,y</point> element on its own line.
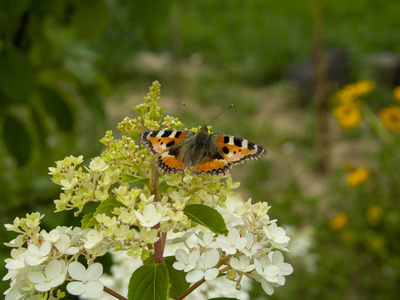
<point>237,150</point>
<point>216,166</point>
<point>224,151</point>
<point>171,145</point>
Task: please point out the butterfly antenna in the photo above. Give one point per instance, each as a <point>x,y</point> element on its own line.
<point>193,116</point>
<point>230,106</point>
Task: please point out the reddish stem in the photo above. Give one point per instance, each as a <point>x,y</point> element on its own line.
<point>113,293</point>
<point>160,244</point>
<point>191,289</point>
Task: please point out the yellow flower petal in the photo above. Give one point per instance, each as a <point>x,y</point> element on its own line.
<point>390,117</point>
<point>357,177</point>
<point>339,222</point>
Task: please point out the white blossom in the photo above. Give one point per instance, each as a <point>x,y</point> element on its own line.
<point>53,276</point>
<point>35,255</point>
<point>17,260</point>
<point>98,165</point>
<point>185,261</point>
<point>232,242</point>
<point>63,245</point>
<point>52,236</point>
<point>17,242</point>
<point>276,259</point>
<point>87,281</point>
<point>276,235</point>
<point>93,238</point>
<point>205,267</point>
<point>68,184</point>
<point>207,240</point>
<point>241,264</point>
<point>150,216</point>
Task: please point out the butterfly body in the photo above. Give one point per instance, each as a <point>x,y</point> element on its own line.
<point>206,153</point>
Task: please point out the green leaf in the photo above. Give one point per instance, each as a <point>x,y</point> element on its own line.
<point>149,282</point>
<point>16,75</point>
<point>16,139</point>
<point>177,278</point>
<point>134,134</point>
<point>106,207</point>
<point>90,18</point>
<point>57,108</point>
<point>206,216</point>
<point>88,221</point>
<point>130,178</point>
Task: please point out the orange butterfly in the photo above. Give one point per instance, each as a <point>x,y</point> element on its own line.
<point>207,153</point>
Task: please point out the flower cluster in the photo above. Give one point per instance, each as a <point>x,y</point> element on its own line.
<point>137,210</point>
<point>348,111</point>
<point>42,261</point>
<point>252,248</point>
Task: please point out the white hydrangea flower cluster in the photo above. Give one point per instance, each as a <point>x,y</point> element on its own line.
<point>252,248</point>
<point>42,261</point>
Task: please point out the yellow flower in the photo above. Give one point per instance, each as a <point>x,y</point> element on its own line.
<point>352,92</point>
<point>364,87</point>
<point>396,93</point>
<point>357,177</point>
<point>373,214</point>
<point>346,95</point>
<point>339,222</point>
<point>390,117</point>
<point>348,116</point>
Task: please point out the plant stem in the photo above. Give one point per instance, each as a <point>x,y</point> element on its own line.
<point>160,244</point>
<point>190,289</point>
<point>376,125</point>
<point>322,131</point>
<point>113,293</point>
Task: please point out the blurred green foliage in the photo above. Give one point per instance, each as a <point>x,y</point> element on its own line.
<point>50,90</point>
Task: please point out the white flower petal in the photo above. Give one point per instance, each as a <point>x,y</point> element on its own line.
<point>43,287</point>
<point>271,270</point>
<point>53,269</point>
<point>211,274</point>
<point>57,280</point>
<point>211,258</point>
<point>34,261</point>
<point>181,255</point>
<point>178,265</point>
<point>233,235</point>
<point>72,251</point>
<point>208,238</point>
<point>286,269</point>
<point>36,277</point>
<point>194,276</point>
<point>234,262</point>
<point>77,271</point>
<point>267,287</point>
<point>241,243</point>
<point>94,272</point>
<point>94,288</point>
<point>76,288</point>
<point>15,264</point>
<point>193,256</point>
